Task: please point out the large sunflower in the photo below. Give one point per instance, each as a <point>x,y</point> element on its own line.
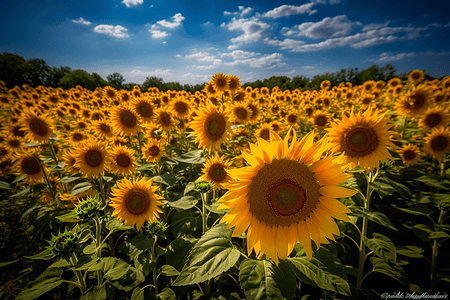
<point>362,138</point>
<point>135,202</point>
<point>38,128</point>
<point>125,120</point>
<point>91,158</point>
<point>29,164</point>
<point>415,102</point>
<point>438,142</point>
<point>286,195</point>
<point>211,126</point>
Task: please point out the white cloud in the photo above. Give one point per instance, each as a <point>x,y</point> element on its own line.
<point>115,31</point>
<point>266,61</point>
<point>253,29</point>
<point>130,3</point>
<point>177,19</point>
<point>242,12</point>
<point>327,28</point>
<point>289,10</point>
<point>239,54</point>
<point>157,34</point>
<point>82,21</point>
<point>216,63</point>
<point>374,26</point>
<point>386,58</point>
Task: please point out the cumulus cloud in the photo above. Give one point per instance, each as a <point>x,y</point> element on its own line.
<point>327,28</point>
<point>205,57</point>
<point>82,21</point>
<point>253,29</point>
<point>177,19</point>
<point>115,31</point>
<point>386,58</point>
<point>242,12</point>
<point>239,54</point>
<point>215,63</point>
<point>130,3</point>
<point>289,10</point>
<point>266,61</point>
<point>157,34</point>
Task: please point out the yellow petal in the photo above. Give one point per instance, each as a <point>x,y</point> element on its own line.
<point>335,191</point>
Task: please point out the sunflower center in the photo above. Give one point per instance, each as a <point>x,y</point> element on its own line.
<point>105,128</point>
<point>215,126</point>
<point>241,113</point>
<point>123,160</point>
<point>439,143</point>
<point>180,107</point>
<point>409,155</point>
<point>77,136</point>
<point>217,173</point>
<point>321,121</point>
<point>154,150</point>
<point>419,100</point>
<point>286,197</point>
<point>30,166</point>
<point>145,110</point>
<point>360,141</point>
<point>38,127</point>
<point>136,202</point>
<point>165,119</point>
<point>292,119</point>
<point>93,158</point>
<point>14,143</point>
<point>128,119</point>
<point>433,119</point>
<point>265,134</point>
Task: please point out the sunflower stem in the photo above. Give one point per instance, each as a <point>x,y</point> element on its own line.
<point>435,253</point>
<point>102,189</point>
<point>81,280</point>
<point>47,180</point>
<point>204,214</point>
<point>442,165</point>
<point>98,232</point>
<point>154,258</point>
<point>140,145</point>
<point>405,119</point>
<point>362,247</point>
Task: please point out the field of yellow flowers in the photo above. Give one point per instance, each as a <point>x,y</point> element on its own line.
<point>228,193</point>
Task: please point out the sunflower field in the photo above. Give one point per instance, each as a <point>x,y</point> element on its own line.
<point>228,193</point>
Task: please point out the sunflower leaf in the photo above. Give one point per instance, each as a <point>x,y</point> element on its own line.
<point>79,188</point>
<point>47,281</point>
<point>376,217</point>
<point>392,270</point>
<point>381,246</point>
<point>265,280</point>
<point>4,185</point>
<point>213,255</point>
<point>192,157</point>
<point>184,203</point>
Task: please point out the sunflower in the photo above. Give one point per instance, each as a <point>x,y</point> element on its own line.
<point>163,118</point>
<point>234,83</point>
<point>292,118</point>
<point>181,108</point>
<point>437,143</point>
<point>70,160</point>
<point>434,117</point>
<point>38,128</point>
<point>144,109</point>
<point>211,126</point>
<point>415,76</point>
<point>220,82</point>
<point>14,143</point>
<point>240,113</point>
<point>91,158</point>
<point>153,150</point>
<point>394,82</point>
<point>76,137</point>
<point>216,171</point>
<point>30,165</point>
<point>286,194</point>
<point>263,131</point>
<point>362,138</point>
<point>320,120</point>
<point>125,120</point>
<point>415,102</point>
<point>102,128</point>
<point>136,202</point>
<point>410,154</point>
<point>122,160</point>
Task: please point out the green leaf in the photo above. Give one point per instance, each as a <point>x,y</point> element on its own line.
<point>324,271</point>
<point>47,281</point>
<point>213,255</point>
<point>22,192</point>
<point>178,250</point>
<point>434,181</point>
<point>383,189</point>
<point>410,251</point>
<point>167,294</point>
<point>68,179</point>
<point>115,225</point>
<point>4,185</point>
<point>403,190</point>
<point>167,178</point>
<point>7,263</point>
<point>376,217</point>
<point>381,246</point>
<point>114,268</point>
<point>81,187</point>
<point>129,280</point>
<point>184,203</point>
<point>415,210</point>
<point>46,254</point>
<point>264,280</point>
<point>69,217</point>
<point>142,242</point>
<point>168,270</point>
<point>138,294</point>
<point>192,157</point>
<point>391,270</point>
<point>103,292</point>
<point>184,223</point>
<point>426,234</point>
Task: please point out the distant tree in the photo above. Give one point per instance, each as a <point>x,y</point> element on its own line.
<point>37,72</point>
<point>115,80</point>
<point>152,82</point>
<point>56,74</point>
<point>299,82</point>
<point>83,79</point>
<point>12,68</point>
<point>130,85</point>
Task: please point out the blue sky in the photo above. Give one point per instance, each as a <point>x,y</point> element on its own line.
<point>189,42</point>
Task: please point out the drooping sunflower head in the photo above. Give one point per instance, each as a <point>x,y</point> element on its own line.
<point>286,195</point>
<point>216,171</point>
<point>91,158</point>
<point>136,201</point>
<point>37,128</point>
<point>437,143</point>
<point>212,127</point>
<point>125,120</point>
<point>363,138</point>
<point>122,160</point>
<point>410,154</point>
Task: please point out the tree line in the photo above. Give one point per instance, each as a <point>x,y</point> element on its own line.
<point>16,70</point>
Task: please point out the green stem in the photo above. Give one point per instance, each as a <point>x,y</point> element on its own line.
<point>47,180</point>
<point>102,189</point>
<point>435,253</point>
<point>405,119</point>
<point>81,281</point>
<point>138,134</point>
<point>204,214</point>
<point>154,258</point>
<point>98,234</point>
<point>442,173</point>
<point>362,247</point>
